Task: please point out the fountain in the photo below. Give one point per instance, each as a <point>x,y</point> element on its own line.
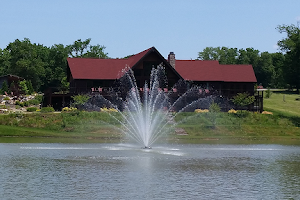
<point>148,113</point>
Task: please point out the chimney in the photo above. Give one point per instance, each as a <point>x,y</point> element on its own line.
<point>171,59</point>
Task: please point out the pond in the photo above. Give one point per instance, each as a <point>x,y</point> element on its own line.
<point>120,171</point>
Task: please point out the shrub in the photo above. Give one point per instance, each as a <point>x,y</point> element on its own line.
<point>47,109</point>
<point>17,102</point>
<point>33,102</point>
<point>243,113</point>
<point>108,109</point>
<point>31,109</point>
<point>67,109</point>
<point>39,98</point>
<point>243,99</point>
<point>3,107</point>
<point>79,100</point>
<point>201,111</point>
<point>26,103</point>
<point>6,98</point>
<point>214,107</point>
<point>23,87</point>
<point>232,111</point>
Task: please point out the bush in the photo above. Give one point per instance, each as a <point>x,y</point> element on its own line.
<point>67,109</point>
<point>108,109</point>
<point>243,113</point>
<point>232,111</point>
<point>6,98</point>
<point>3,107</point>
<point>39,98</point>
<point>47,109</point>
<point>26,103</point>
<point>79,100</point>
<point>31,109</point>
<point>201,111</point>
<point>243,99</point>
<point>214,107</point>
<point>34,102</point>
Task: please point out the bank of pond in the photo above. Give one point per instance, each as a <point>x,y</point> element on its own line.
<point>208,127</point>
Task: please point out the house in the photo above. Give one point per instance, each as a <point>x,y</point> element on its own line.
<point>91,75</point>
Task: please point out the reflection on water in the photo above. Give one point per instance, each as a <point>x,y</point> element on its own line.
<point>113,171</point>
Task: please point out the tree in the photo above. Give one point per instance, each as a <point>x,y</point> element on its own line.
<point>96,51</point>
<point>29,86</point>
<point>265,71</point>
<point>84,49</point>
<point>291,46</point>
<point>278,80</point>
<point>243,99</point>
<point>4,87</point>
<point>80,100</point>
<point>4,61</point>
<point>209,53</point>
<point>23,87</point>
<point>28,61</point>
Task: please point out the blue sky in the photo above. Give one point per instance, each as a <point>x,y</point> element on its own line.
<point>127,27</point>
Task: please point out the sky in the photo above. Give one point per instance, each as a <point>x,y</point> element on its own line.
<point>127,27</point>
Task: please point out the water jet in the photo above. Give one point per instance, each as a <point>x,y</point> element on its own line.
<point>146,114</point>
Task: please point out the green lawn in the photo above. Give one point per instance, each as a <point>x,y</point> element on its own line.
<point>283,102</point>
<point>281,127</point>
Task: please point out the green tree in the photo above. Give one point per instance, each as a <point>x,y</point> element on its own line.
<point>29,86</point>
<point>209,53</point>
<point>78,48</point>
<point>291,47</point>
<point>4,61</point>
<point>79,100</point>
<point>28,61</point>
<point>4,87</point>
<point>96,51</point>
<point>278,80</point>
<point>56,71</point>
<point>23,87</point>
<point>243,99</point>
<point>265,71</point>
<point>84,49</point>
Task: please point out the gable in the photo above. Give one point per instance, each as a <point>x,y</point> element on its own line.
<point>110,69</point>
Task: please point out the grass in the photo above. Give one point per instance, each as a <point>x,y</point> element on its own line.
<point>245,126</point>
<point>281,127</point>
<point>77,125</point>
<point>283,102</point>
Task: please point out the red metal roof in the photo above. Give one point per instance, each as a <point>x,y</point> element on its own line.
<point>194,70</point>
<point>211,70</point>
<point>199,70</point>
<point>106,69</point>
<point>238,73</point>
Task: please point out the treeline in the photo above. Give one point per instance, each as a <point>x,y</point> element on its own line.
<point>44,66</point>
<point>268,67</point>
<point>275,70</point>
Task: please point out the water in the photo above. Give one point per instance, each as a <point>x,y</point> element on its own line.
<point>118,171</point>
